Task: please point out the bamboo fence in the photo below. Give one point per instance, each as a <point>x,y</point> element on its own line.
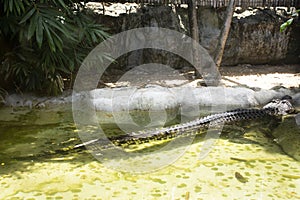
<point>218,3</point>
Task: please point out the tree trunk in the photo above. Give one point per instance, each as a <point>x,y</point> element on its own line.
<point>224,34</point>
<point>194,32</point>
<point>192,12</point>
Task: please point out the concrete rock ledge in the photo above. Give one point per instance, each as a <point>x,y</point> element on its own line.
<point>154,97</point>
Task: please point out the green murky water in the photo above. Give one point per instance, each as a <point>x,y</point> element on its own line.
<point>232,170</point>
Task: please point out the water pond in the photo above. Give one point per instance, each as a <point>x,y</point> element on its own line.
<point>30,167</point>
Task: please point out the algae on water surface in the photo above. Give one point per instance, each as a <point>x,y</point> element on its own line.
<point>267,172</point>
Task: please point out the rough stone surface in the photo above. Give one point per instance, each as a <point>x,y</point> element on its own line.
<point>154,97</point>
<point>287,135</point>
<point>253,39</point>
<point>256,39</point>
<point>264,96</point>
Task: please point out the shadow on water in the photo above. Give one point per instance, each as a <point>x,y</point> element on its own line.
<point>33,143</point>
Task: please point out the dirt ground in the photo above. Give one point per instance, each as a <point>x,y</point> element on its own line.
<point>262,76</point>
<point>252,76</point>
<point>259,76</point>
<point>259,69</point>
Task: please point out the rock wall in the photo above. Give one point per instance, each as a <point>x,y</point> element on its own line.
<point>256,39</point>
<point>293,55</point>
<point>158,16</point>
<point>253,39</point>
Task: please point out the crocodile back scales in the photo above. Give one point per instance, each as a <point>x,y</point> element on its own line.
<point>183,129</point>
<point>275,107</point>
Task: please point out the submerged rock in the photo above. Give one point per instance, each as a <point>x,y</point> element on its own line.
<point>287,135</point>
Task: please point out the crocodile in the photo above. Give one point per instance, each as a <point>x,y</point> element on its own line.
<point>276,107</point>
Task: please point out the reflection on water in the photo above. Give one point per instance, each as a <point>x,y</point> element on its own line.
<point>255,168</point>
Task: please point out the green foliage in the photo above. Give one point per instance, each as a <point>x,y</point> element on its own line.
<point>47,39</point>
<point>287,23</point>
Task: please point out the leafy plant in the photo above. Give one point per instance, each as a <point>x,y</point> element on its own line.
<point>47,41</point>
<point>287,23</point>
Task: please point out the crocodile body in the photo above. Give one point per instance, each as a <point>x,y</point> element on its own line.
<point>274,108</point>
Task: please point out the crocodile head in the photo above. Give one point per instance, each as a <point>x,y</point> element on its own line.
<point>281,106</point>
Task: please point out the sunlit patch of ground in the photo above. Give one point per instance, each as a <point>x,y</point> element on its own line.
<point>263,77</point>
<point>264,81</point>
<point>259,77</point>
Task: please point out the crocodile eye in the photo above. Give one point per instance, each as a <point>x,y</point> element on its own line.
<point>286,102</point>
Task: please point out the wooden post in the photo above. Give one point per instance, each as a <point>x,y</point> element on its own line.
<point>224,33</point>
